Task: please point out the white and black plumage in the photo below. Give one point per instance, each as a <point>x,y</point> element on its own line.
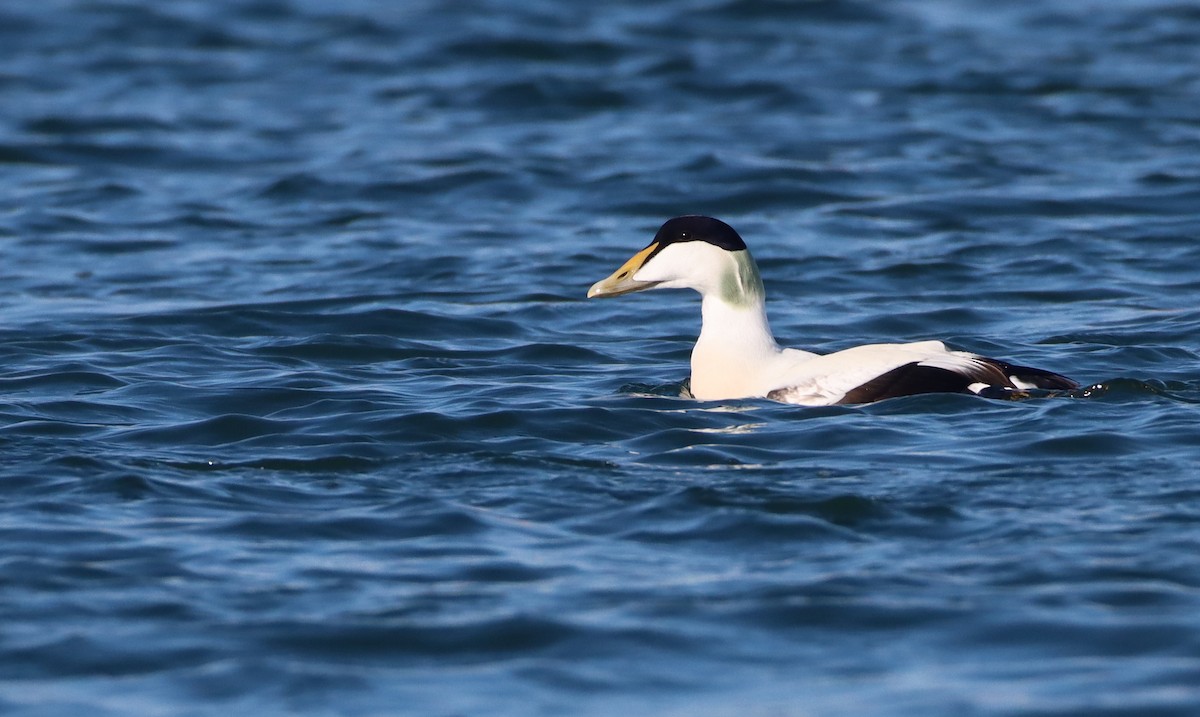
<point>737,357</point>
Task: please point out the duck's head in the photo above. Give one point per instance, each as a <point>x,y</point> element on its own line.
<point>689,252</point>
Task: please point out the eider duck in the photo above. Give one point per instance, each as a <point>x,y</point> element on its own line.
<point>737,357</point>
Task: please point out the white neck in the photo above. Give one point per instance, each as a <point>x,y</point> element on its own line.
<point>735,347</point>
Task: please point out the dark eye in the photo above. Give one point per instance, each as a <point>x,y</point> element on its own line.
<point>684,236</point>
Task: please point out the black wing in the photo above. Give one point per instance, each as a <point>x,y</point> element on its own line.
<point>1039,378</point>
<point>908,380</point>
<point>914,378</point>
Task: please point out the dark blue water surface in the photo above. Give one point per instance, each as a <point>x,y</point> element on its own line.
<point>302,409</point>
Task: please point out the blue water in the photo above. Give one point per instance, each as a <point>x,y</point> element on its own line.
<point>302,409</point>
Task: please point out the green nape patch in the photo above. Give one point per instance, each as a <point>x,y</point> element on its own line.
<point>742,285</point>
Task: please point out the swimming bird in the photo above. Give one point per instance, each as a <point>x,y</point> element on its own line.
<point>736,356</point>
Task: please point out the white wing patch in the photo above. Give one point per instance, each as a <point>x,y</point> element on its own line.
<point>825,380</point>
<point>1022,384</point>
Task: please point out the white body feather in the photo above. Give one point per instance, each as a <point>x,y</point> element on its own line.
<point>736,356</point>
